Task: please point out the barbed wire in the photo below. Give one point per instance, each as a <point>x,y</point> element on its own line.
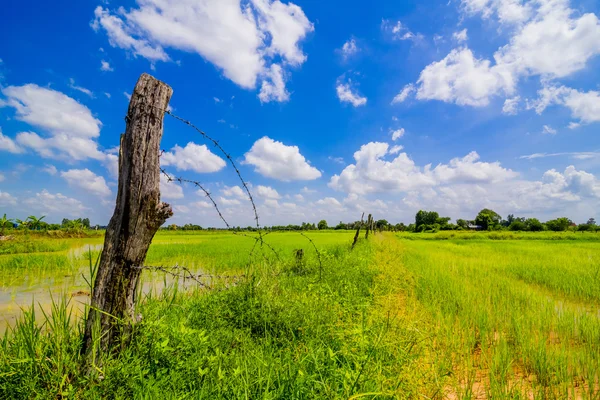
<point>229,158</point>
<point>301,233</point>
<point>180,180</point>
<point>181,272</point>
<point>214,203</point>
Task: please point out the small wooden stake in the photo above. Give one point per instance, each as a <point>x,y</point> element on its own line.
<point>358,230</point>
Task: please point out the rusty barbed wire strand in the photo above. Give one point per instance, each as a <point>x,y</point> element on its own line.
<point>229,158</point>
<point>260,238</point>
<point>214,203</point>
<point>301,233</point>
<point>174,271</point>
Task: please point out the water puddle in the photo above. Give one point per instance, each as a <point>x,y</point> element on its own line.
<point>25,288</point>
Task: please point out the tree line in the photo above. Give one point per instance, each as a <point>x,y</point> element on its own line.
<point>489,220</point>
<point>425,221</point>
<point>33,223</point>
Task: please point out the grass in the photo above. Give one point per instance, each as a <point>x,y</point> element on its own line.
<point>501,235</point>
<point>515,318</point>
<point>397,317</point>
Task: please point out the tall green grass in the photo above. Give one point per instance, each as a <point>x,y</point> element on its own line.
<point>394,318</point>
<point>519,317</point>
<point>282,332</point>
<point>501,235</point>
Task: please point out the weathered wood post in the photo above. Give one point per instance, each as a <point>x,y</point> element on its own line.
<point>358,230</point>
<point>138,215</point>
<point>368,226</point>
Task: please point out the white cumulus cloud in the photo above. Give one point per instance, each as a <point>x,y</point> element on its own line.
<point>349,48</point>
<point>56,204</point>
<point>86,180</point>
<point>232,191</point>
<point>460,36</point>
<point>371,173</point>
<point>397,133</point>
<point>511,106</point>
<point>346,94</point>
<point>70,126</point>
<point>267,192</point>
<point>105,66</point>
<point>170,190</point>
<point>548,39</point>
<point>192,157</point>
<point>276,160</point>
<point>8,144</point>
<point>241,40</point>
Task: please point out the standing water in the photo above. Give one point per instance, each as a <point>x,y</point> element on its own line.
<point>41,278</point>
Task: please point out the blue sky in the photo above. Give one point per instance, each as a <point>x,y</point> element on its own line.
<point>329,108</point>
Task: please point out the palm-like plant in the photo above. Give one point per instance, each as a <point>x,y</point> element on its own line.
<point>35,222</point>
<point>22,224</point>
<point>5,223</point>
<point>75,226</point>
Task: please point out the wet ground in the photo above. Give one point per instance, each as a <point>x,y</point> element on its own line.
<point>39,287</point>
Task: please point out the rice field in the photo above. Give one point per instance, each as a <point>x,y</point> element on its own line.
<point>448,315</point>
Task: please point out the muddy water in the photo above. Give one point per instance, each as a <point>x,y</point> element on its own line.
<point>40,288</point>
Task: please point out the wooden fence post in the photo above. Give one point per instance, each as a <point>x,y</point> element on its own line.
<point>368,226</point>
<point>138,215</point>
<point>358,230</point>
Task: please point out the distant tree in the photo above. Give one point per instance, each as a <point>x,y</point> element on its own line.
<point>558,224</point>
<point>22,224</point>
<point>534,225</point>
<point>86,223</point>
<point>584,227</point>
<point>35,222</point>
<point>517,225</point>
<point>339,226</point>
<point>65,223</point>
<point>322,224</point>
<point>382,224</point>
<point>487,219</point>
<point>591,221</point>
<point>74,226</point>
<point>425,218</point>
<point>443,222</point>
<point>509,220</point>
<point>5,223</point>
<point>400,227</point>
<point>411,228</point>
<point>462,223</point>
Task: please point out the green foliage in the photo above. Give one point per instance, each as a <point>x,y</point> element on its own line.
<point>431,221</point>
<point>322,225</point>
<point>585,227</point>
<point>382,224</point>
<point>400,321</point>
<point>5,223</point>
<point>276,334</point>
<point>591,221</point>
<point>534,225</point>
<point>35,223</point>
<point>517,225</point>
<point>513,303</point>
<point>559,224</point>
<point>425,218</point>
<point>487,219</point>
<point>462,223</point>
